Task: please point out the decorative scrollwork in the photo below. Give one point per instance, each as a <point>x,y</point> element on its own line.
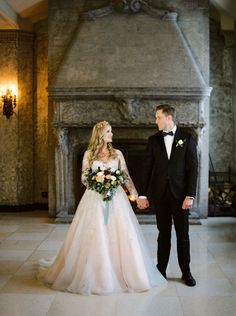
<point>98,13</point>
<point>129,6</point>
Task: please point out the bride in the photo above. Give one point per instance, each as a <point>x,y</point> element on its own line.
<point>102,256</point>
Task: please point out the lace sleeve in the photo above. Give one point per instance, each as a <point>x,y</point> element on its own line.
<point>85,166</point>
<point>129,185</point>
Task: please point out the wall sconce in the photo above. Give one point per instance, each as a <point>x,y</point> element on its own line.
<point>9,102</point>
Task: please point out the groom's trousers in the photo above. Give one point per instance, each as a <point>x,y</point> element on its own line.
<point>168,208</point>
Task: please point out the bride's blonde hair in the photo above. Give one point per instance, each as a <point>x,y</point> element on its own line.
<point>96,142</point>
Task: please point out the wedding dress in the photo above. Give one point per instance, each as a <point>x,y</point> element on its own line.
<point>102,258</point>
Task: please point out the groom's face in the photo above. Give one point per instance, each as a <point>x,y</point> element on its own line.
<point>163,121</point>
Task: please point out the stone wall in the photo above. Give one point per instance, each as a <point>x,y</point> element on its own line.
<point>41,112</point>
<point>16,133</point>
<point>221,105</point>
<point>8,128</point>
<point>23,146</point>
<point>63,24</point>
<point>193,19</point>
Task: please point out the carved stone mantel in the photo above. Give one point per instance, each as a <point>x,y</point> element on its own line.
<point>135,114</point>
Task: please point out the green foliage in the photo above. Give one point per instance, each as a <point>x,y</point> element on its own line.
<point>104,181</point>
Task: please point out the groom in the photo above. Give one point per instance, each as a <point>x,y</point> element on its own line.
<point>170,179</point>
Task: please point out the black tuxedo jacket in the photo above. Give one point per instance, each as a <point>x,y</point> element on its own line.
<point>180,171</point>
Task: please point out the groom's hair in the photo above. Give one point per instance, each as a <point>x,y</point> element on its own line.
<point>167,110</point>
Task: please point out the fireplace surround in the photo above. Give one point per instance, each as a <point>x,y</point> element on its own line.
<point>120,64</point>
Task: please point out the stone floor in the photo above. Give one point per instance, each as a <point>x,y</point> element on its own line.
<point>26,237</point>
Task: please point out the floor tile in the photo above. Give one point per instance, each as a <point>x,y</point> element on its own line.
<point>207,287</point>
<point>8,228</point>
<point>15,255</point>
<point>27,237</point>
<point>9,266</point>
<point>50,245</point>
<point>25,305</point>
<point>204,270</point>
<point>42,254</point>
<point>229,269</point>
<point>4,279</point>
<point>19,244</point>
<point>205,306</point>
<point>4,235</point>
<point>25,285</point>
<point>117,305</point>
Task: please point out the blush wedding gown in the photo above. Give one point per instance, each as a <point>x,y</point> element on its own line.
<point>103,258</point>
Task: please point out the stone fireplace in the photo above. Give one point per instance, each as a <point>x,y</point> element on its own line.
<point>122,62</point>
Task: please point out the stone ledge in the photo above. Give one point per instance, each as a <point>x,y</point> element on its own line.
<point>143,92</point>
<point>143,219</point>
<point>151,219</point>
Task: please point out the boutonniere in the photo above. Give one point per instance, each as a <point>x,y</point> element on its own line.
<point>180,142</point>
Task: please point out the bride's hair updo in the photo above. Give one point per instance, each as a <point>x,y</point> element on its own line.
<point>96,141</point>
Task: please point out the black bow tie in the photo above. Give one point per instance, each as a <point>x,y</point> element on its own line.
<point>167,133</point>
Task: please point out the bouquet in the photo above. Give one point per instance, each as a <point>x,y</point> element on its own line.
<point>105,181</point>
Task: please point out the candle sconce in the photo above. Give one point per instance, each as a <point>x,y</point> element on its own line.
<point>9,103</point>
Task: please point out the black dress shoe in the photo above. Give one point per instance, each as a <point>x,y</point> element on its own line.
<point>189,279</point>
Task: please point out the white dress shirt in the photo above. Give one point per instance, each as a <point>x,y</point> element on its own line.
<point>168,139</point>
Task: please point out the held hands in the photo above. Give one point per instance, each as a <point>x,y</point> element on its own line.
<point>142,203</point>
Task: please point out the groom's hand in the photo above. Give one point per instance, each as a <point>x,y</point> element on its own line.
<point>187,203</point>
<point>142,203</point>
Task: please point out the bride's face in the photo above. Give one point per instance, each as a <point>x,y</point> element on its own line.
<point>108,135</point>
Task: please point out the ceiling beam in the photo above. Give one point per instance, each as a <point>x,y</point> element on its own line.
<point>226,7</point>
<point>13,20</point>
<point>9,14</point>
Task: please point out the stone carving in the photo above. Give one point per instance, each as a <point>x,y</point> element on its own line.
<point>128,108</point>
<point>134,6</point>
<point>98,13</point>
<point>129,6</point>
<point>63,140</point>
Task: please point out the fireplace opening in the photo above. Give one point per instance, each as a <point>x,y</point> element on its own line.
<point>134,154</point>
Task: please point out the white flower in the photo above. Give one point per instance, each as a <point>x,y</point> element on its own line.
<point>100,177</point>
<point>113,178</point>
<point>180,142</point>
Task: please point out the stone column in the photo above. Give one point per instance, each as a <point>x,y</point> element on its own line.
<point>234,106</point>
<point>62,176</point>
<point>203,169</point>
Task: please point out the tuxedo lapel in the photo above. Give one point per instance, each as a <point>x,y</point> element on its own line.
<point>160,140</point>
<point>176,137</point>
